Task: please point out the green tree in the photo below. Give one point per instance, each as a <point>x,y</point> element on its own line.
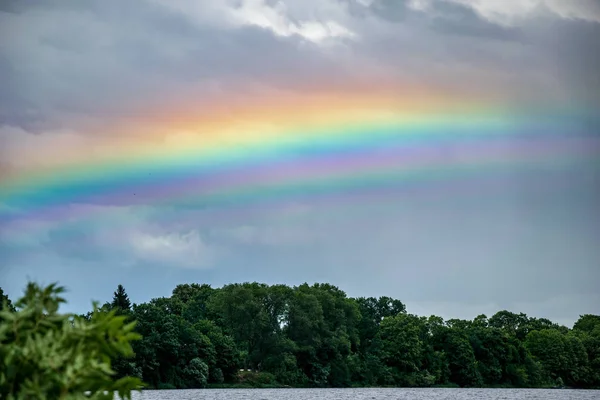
<point>123,366</point>
<point>196,373</point>
<point>241,311</point>
<point>515,324</point>
<point>170,343</point>
<point>121,300</point>
<point>587,323</point>
<point>48,355</point>
<point>224,366</point>
<point>458,357</point>
<point>304,328</point>
<point>562,355</point>
<point>195,299</point>
<point>322,323</point>
<point>5,303</point>
<point>403,349</point>
<point>590,338</point>
<point>314,335</point>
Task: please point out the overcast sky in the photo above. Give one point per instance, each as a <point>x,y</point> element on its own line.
<point>77,73</point>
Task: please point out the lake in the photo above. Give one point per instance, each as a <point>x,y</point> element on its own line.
<point>368,394</point>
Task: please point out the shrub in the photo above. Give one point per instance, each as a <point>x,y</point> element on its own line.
<point>48,355</point>
<point>196,373</point>
<point>257,379</point>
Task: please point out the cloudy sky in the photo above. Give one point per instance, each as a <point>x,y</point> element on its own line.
<point>84,80</point>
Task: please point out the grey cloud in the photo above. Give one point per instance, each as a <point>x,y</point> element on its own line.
<point>520,237</point>
<point>118,236</point>
<point>451,18</point>
<point>525,240</point>
<point>572,50</point>
<point>391,10</point>
<point>107,59</point>
<point>522,240</point>
<point>77,243</point>
<point>443,17</point>
<point>453,47</point>
<point>72,63</point>
<point>15,108</point>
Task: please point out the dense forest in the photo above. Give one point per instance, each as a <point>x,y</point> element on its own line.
<point>254,334</point>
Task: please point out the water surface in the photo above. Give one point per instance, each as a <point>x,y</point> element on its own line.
<point>368,394</point>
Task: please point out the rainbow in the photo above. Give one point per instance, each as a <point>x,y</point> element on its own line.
<point>221,163</point>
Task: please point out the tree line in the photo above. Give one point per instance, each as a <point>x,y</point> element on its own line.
<point>316,336</point>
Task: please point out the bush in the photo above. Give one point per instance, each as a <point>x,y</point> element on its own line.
<point>196,373</point>
<point>166,386</point>
<point>47,355</point>
<point>257,379</point>
<point>216,375</point>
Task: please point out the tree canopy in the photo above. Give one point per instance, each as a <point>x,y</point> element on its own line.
<point>120,300</point>
<point>254,334</point>
<point>316,336</point>
<point>5,303</point>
